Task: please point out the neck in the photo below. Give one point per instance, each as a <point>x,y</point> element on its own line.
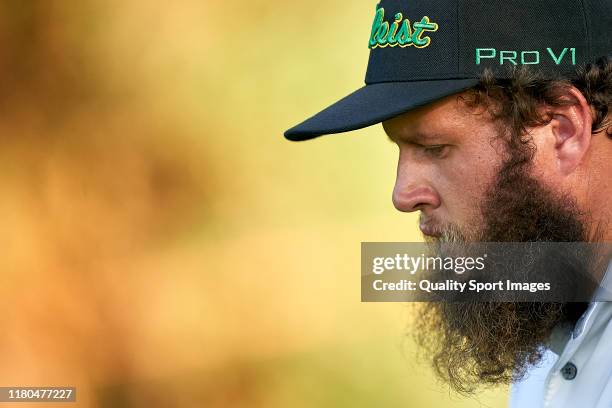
<point>599,190</point>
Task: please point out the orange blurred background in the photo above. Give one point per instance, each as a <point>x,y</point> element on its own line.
<point>163,245</point>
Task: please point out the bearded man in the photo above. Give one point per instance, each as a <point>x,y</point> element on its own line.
<point>501,112</point>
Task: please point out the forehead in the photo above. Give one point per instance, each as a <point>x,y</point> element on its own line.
<point>447,116</point>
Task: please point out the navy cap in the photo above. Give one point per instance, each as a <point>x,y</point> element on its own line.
<point>424,50</point>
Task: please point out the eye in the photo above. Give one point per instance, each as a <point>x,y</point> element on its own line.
<point>435,151</point>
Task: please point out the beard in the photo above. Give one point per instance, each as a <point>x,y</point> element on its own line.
<point>490,343</point>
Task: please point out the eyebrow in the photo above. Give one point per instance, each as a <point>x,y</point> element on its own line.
<point>416,137</point>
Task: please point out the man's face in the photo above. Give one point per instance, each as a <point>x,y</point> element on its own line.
<point>459,170</point>
<point>449,156</point>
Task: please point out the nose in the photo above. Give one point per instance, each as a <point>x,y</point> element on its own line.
<point>414,198</point>
<point>412,192</point>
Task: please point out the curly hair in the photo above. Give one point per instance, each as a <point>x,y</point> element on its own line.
<point>516,102</point>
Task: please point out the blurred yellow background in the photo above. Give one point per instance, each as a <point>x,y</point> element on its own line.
<point>162,244</point>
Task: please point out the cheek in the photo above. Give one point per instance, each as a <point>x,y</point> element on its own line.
<point>467,177</point>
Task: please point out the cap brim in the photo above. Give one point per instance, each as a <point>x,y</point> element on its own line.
<point>375,103</point>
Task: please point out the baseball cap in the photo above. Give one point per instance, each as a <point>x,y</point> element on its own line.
<point>424,50</point>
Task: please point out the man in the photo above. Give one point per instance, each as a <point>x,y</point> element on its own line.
<point>501,111</point>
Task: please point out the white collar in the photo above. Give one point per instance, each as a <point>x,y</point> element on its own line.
<point>563,332</point>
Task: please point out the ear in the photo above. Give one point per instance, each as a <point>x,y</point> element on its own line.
<point>571,126</point>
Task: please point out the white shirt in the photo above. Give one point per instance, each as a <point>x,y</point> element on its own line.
<point>576,370</point>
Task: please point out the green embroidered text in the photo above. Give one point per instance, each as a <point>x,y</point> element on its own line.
<point>400,32</point>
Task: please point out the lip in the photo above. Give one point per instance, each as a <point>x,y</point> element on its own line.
<point>429,230</point>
